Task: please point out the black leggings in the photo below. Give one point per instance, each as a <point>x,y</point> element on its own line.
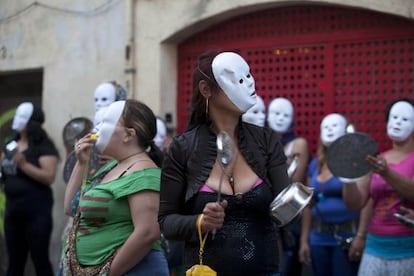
<point>28,227</point>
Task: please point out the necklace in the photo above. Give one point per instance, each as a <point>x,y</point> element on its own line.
<point>230,178</point>
<point>131,165</point>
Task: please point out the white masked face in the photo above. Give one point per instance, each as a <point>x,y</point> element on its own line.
<point>400,121</point>
<point>107,127</point>
<point>99,117</point>
<point>256,114</point>
<point>23,113</point>
<point>280,115</point>
<point>161,134</point>
<point>105,94</point>
<point>333,126</point>
<point>233,76</point>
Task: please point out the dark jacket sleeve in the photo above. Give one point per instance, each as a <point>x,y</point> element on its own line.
<point>276,163</point>
<point>175,223</point>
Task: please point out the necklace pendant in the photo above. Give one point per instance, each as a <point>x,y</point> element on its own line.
<point>231,180</point>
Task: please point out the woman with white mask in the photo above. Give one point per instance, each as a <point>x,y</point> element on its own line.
<point>389,189</point>
<point>232,213</point>
<point>28,170</point>
<point>122,197</point>
<point>327,223</point>
<point>280,117</point>
<point>107,93</point>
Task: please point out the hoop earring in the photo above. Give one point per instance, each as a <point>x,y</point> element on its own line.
<point>207,107</point>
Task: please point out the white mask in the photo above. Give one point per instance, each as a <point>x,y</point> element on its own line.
<point>400,123</point>
<point>256,114</point>
<point>105,94</point>
<point>280,115</point>
<point>107,127</point>
<point>333,126</point>
<point>99,117</point>
<point>161,134</point>
<point>232,74</point>
<point>23,113</point>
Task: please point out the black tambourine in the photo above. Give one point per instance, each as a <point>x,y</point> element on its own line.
<point>346,157</point>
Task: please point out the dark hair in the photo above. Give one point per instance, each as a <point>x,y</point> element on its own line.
<point>389,106</point>
<point>202,71</point>
<point>140,117</point>
<point>35,133</point>
<point>121,93</point>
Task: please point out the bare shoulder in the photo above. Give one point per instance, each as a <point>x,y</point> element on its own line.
<point>300,143</point>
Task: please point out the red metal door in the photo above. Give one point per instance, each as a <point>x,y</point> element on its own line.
<point>324,59</point>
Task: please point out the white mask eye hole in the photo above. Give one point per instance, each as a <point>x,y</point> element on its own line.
<point>241,81</point>
<point>248,76</point>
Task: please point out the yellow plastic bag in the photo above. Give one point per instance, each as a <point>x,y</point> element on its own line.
<point>200,269</point>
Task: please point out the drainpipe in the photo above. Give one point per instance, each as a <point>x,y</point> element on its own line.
<point>130,69</point>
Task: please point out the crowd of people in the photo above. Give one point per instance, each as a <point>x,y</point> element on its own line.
<point>144,202</point>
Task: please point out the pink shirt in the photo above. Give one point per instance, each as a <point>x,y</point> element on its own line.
<point>387,201</point>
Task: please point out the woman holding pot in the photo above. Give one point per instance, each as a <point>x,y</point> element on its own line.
<point>246,241</point>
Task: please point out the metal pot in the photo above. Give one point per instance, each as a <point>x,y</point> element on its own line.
<point>290,202</point>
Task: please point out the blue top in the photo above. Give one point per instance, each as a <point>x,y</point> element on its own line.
<point>330,206</point>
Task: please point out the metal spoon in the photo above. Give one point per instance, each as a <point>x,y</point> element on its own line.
<point>224,155</point>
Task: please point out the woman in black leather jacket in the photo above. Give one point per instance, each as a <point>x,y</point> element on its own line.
<point>245,240</point>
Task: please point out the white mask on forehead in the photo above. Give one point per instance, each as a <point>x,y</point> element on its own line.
<point>105,94</point>
<point>256,114</point>
<point>107,127</point>
<point>333,126</point>
<point>280,115</point>
<point>232,74</point>
<point>23,113</point>
<point>161,134</point>
<point>400,123</point>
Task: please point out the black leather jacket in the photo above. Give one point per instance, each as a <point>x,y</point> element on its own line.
<point>189,161</point>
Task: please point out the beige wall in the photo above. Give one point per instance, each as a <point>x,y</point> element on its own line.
<point>78,51</point>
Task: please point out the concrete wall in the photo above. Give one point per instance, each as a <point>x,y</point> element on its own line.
<point>84,43</point>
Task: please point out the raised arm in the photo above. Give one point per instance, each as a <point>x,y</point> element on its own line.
<point>45,173</point>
